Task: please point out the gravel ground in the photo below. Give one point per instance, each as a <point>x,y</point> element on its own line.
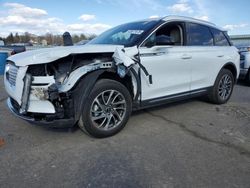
<point>185,144</point>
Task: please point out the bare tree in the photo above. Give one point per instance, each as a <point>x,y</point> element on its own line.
<point>10,39</point>
<point>16,38</point>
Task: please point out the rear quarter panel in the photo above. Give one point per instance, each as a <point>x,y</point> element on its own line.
<point>207,63</point>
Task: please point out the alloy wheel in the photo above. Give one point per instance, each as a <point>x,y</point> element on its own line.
<point>225,87</point>
<point>108,110</point>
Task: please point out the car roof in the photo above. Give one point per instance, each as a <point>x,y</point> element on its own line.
<point>188,19</point>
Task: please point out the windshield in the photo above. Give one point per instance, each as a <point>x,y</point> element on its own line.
<point>126,34</point>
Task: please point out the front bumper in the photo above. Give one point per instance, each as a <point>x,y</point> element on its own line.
<point>57,123</point>
<point>27,90</point>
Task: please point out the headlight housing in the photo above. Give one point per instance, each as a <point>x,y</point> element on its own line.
<point>7,67</point>
<point>11,72</point>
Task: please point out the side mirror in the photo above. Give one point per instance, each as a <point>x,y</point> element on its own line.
<point>163,40</point>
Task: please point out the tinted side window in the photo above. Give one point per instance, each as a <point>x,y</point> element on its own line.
<point>198,35</point>
<point>219,38</point>
<point>173,31</point>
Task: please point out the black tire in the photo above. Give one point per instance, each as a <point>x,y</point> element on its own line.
<point>215,93</point>
<point>112,117</point>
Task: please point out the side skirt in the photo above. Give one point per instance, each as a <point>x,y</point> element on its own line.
<point>173,98</point>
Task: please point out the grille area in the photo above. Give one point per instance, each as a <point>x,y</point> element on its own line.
<point>12,74</point>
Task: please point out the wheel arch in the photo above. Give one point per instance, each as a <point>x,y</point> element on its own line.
<point>85,84</point>
<point>126,81</point>
<point>230,66</point>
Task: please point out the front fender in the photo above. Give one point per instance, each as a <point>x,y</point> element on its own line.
<point>82,90</point>
<point>74,76</point>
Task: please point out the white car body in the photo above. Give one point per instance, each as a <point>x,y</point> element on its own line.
<point>197,68</point>
<point>174,71</point>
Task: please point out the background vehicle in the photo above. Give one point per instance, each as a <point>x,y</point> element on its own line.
<point>245,63</point>
<point>132,66</point>
<point>14,48</point>
<point>4,53</point>
<point>82,42</point>
<point>7,50</point>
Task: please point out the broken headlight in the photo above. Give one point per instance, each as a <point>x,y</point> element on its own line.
<point>37,70</point>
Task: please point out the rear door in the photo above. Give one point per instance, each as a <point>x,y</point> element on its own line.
<point>207,59</point>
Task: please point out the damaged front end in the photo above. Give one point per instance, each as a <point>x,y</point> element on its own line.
<point>52,93</point>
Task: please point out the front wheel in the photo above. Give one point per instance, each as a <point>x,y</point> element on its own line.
<point>106,110</point>
<point>223,87</point>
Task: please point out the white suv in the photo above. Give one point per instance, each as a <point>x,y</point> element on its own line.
<point>132,66</point>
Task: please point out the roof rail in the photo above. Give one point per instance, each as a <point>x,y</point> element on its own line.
<point>189,18</point>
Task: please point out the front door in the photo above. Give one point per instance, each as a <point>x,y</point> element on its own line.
<point>168,63</point>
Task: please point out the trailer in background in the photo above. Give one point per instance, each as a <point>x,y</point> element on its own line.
<point>4,54</point>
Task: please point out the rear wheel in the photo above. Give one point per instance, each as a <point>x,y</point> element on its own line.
<point>223,87</point>
<point>106,110</point>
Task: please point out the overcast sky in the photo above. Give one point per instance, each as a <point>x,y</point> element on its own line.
<point>95,16</point>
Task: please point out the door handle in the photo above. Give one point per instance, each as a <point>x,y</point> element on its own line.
<point>152,54</point>
<point>160,53</point>
<point>220,56</point>
<point>185,56</point>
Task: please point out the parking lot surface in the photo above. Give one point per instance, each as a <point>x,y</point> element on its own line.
<point>185,144</point>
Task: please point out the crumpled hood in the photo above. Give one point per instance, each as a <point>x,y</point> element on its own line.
<point>47,55</point>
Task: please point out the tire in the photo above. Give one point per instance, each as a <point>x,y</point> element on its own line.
<point>106,110</point>
<point>223,87</point>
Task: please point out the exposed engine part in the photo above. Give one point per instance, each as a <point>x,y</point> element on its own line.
<point>63,103</point>
<point>53,92</point>
<point>62,68</point>
<point>37,70</point>
<point>40,93</point>
<point>128,57</point>
<point>122,70</point>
